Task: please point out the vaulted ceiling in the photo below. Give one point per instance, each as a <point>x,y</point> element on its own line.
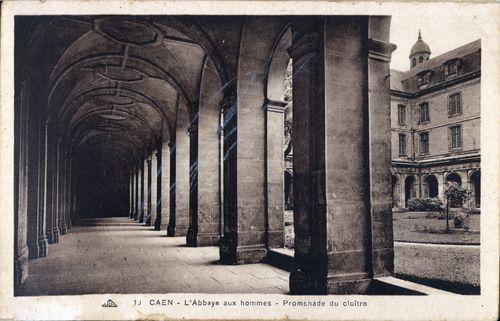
<point>115,84</point>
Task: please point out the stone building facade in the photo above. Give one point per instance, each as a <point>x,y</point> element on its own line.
<point>435,123</point>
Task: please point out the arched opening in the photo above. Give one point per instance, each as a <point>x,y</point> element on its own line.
<point>410,190</point>
<point>395,191</point>
<point>475,180</point>
<point>454,178</point>
<point>432,186</point>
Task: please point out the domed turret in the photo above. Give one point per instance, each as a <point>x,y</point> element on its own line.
<point>420,52</point>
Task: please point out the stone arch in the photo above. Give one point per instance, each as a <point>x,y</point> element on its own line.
<point>475,184</point>
<point>410,189</point>
<point>453,177</point>
<point>432,186</point>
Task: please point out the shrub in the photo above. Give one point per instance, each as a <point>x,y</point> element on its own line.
<point>460,221</point>
<point>426,204</point>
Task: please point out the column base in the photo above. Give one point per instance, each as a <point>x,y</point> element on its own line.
<point>316,283</point>
<point>178,230</point>
<point>43,246</point>
<point>64,228</point>
<point>247,254</point>
<point>196,239</point>
<point>53,236</point>
<point>275,239</point>
<point>21,266</point>
<point>33,251</point>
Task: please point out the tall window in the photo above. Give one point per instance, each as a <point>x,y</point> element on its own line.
<point>424,143</point>
<point>401,114</point>
<point>402,145</point>
<point>454,105</point>
<point>455,137</point>
<point>420,59</point>
<point>414,62</point>
<point>424,112</point>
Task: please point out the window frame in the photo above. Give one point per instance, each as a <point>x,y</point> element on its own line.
<point>460,108</point>
<point>427,147</point>
<point>428,113</point>
<point>402,145</point>
<point>401,120</point>
<point>450,137</point>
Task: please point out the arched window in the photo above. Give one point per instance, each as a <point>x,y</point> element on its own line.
<point>414,62</point>
<point>420,59</point>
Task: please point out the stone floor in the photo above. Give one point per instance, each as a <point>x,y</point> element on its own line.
<point>116,255</point>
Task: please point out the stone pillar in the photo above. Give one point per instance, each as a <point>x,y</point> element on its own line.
<point>402,191</point>
<point>342,180</point>
<point>163,186</point>
<point>68,209</point>
<point>141,191</point>
<point>204,227</point>
<point>43,242</point>
<point>181,175</point>
<point>154,187</point>
<point>275,166</point>
<point>21,191</point>
<point>136,193</point>
<point>171,193</point>
<point>147,190</point>
<point>131,194</point>
<point>52,225</point>
<point>192,233</point>
<point>33,210</point>
<point>160,188</point>
<point>60,170</point>
<point>441,187</point>
<point>379,137</point>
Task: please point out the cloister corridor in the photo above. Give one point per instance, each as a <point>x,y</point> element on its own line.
<point>105,256</point>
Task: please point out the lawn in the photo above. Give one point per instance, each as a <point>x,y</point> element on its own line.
<point>415,227</point>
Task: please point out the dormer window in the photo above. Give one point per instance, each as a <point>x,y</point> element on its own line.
<point>424,79</point>
<point>451,67</point>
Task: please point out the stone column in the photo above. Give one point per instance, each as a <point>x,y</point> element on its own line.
<point>379,137</point>
<point>34,187</point>
<point>181,175</point>
<point>192,233</point>
<point>147,190</point>
<point>60,186</point>
<point>402,191</point>
<point>154,187</point>
<point>141,191</point>
<point>163,161</point>
<point>342,181</point>
<point>275,166</point>
<point>21,192</point>
<point>204,228</point>
<point>43,242</point>
<point>441,187</point>
<point>171,192</point>
<point>51,196</point>
<point>136,193</point>
<point>68,208</point>
<point>131,195</point>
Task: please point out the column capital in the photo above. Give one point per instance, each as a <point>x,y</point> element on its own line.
<point>171,146</point>
<point>276,106</point>
<point>306,44</point>
<point>192,128</point>
<point>380,50</point>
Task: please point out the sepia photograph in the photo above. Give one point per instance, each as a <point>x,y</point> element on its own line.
<point>202,160</point>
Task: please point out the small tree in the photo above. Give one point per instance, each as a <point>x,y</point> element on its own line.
<point>455,194</point>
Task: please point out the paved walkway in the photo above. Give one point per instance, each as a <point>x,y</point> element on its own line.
<point>117,255</point>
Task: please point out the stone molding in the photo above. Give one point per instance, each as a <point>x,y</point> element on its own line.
<point>276,106</point>
<point>380,50</point>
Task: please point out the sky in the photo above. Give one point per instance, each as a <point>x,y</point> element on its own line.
<point>442,32</point>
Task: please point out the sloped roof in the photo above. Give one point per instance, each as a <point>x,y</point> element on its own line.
<point>396,80</point>
<point>439,60</point>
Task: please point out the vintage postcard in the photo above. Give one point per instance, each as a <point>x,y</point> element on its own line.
<point>249,160</point>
